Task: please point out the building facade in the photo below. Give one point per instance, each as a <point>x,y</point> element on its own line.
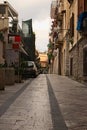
<point>7,13</point>
<point>29,39</point>
<point>11,41</point>
<point>69,36</point>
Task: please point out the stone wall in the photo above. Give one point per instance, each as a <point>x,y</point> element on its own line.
<point>77,54</point>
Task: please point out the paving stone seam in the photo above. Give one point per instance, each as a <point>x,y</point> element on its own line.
<point>57,118</point>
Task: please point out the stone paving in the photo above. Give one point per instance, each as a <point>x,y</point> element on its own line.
<point>72,99</point>
<point>10,90</point>
<point>48,102</point>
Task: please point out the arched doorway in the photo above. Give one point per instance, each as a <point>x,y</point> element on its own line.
<point>85,60</point>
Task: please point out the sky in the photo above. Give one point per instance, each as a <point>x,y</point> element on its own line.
<point>39,12</point>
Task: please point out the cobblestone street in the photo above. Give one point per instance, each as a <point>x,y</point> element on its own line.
<point>48,102</point>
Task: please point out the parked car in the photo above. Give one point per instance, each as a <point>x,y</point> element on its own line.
<point>29,69</point>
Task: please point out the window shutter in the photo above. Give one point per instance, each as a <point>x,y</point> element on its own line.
<point>80,6</point>
<point>85,5</point>
<point>72,25</point>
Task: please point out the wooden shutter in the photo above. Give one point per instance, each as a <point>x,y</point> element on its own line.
<point>80,6</point>
<point>72,25</point>
<point>85,5</point>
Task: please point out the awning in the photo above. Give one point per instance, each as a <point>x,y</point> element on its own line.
<point>80,21</point>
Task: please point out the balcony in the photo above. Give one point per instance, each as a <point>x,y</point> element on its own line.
<point>60,38</point>
<point>58,41</point>
<point>60,14</point>
<point>53,9</point>
<point>7,10</point>
<point>60,17</point>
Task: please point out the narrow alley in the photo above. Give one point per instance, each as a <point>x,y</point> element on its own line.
<point>48,102</point>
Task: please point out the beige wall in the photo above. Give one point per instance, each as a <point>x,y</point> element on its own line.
<point>3,46</point>
<point>66,25</point>
<point>4,23</point>
<point>74,10</point>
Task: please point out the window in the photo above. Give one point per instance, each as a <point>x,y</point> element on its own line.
<point>72,25</point>
<point>82,6</point>
<point>2,9</point>
<point>85,5</point>
<point>70,1</point>
<point>71,66</point>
